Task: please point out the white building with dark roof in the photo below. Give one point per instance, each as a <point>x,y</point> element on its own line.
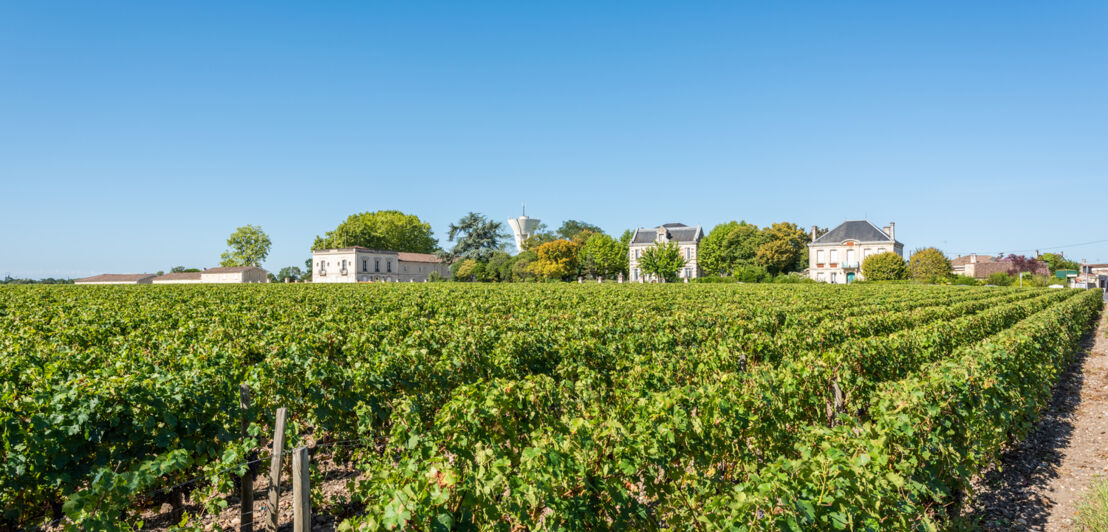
<point>836,257</point>
<point>357,264</point>
<point>687,239</point>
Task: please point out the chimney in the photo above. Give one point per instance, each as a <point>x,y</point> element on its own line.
<point>892,231</point>
<point>973,258</point>
<point>813,233</point>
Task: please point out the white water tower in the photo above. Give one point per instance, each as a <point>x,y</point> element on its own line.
<point>522,228</point>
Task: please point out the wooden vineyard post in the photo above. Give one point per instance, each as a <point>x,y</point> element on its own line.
<point>301,492</point>
<point>275,470</point>
<point>246,486</point>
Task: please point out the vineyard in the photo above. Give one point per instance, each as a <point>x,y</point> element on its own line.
<point>531,407</point>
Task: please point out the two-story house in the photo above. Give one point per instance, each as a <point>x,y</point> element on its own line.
<point>687,239</point>
<point>357,264</point>
<point>836,257</point>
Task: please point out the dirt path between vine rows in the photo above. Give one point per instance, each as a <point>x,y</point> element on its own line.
<point>1041,480</point>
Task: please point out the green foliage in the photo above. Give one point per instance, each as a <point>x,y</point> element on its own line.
<point>604,256</point>
<point>928,265</point>
<point>1092,512</point>
<point>182,269</point>
<point>556,260</point>
<point>729,246</point>
<point>571,228</point>
<point>249,246</point>
<point>386,230</point>
<point>1055,262</point>
<point>476,237</point>
<point>663,260</point>
<point>886,266</point>
<point>963,280</point>
<point>1001,279</point>
<point>560,407</point>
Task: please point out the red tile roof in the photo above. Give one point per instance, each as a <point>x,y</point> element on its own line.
<point>417,257</point>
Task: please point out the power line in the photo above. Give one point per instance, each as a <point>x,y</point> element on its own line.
<point>1063,246</point>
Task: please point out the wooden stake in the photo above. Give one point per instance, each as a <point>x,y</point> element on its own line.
<point>301,492</point>
<point>246,486</point>
<point>275,470</point>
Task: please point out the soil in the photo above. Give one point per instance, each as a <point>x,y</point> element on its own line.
<point>1039,482</point>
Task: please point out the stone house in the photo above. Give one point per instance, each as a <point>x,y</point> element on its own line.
<point>687,239</point>
<point>179,278</point>
<point>982,266</point>
<point>117,278</point>
<point>234,274</point>
<point>357,264</point>
<point>836,257</point>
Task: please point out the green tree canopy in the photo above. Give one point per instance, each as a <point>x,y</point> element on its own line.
<point>248,246</point>
<point>182,269</point>
<point>928,265</point>
<point>886,266</point>
<point>789,250</point>
<point>289,272</point>
<point>729,246</point>
<point>476,237</point>
<point>663,259</point>
<point>387,230</point>
<point>556,260</point>
<point>570,229</point>
<point>602,255</point>
<point>1055,261</point>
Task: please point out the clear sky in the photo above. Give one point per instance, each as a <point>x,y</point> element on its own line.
<point>136,136</point>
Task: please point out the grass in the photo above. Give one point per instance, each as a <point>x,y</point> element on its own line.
<point>1092,513</point>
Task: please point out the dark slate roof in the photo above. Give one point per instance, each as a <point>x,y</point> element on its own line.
<point>677,232</point>
<point>860,230</point>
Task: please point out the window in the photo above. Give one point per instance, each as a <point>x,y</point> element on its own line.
<point>688,273</point>
<point>821,277</point>
<point>688,253</point>
<point>866,253</point>
<point>850,256</point>
<point>637,254</point>
<point>365,267</point>
<point>377,265</point>
<point>388,264</point>
<point>834,277</point>
<point>405,269</point>
<point>819,256</point>
<point>834,257</point>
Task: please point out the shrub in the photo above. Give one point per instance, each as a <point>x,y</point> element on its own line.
<point>886,266</point>
<point>929,265</point>
<point>1001,279</point>
<point>964,280</point>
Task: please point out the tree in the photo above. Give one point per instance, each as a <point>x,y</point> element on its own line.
<point>387,230</point>
<point>729,246</point>
<point>1020,263</point>
<point>886,266</point>
<point>602,255</point>
<point>776,256</point>
<point>663,260</point>
<point>556,260</point>
<point>1055,262</point>
<point>289,272</point>
<point>249,246</point>
<point>463,270</point>
<point>928,265</point>
<point>570,229</point>
<point>521,266</point>
<point>477,237</point>
<point>792,256</point>
<point>182,269</point>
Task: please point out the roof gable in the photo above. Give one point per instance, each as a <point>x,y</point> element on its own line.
<point>677,233</point>
<point>860,230</point>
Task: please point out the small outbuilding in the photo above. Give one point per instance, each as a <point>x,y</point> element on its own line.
<point>179,278</point>
<point>234,274</point>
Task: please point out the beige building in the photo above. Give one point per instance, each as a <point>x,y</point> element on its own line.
<point>234,274</point>
<point>179,278</point>
<point>117,278</point>
<point>687,239</point>
<point>836,257</point>
<point>357,264</point>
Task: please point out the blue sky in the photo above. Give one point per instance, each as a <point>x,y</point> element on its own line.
<point>136,136</point>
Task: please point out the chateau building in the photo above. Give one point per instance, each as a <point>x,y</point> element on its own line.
<point>357,264</point>
<point>836,257</point>
<point>687,239</point>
